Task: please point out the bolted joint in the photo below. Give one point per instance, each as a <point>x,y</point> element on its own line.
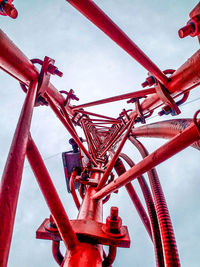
<point>113,222</point>
<point>8,9</point>
<point>149,81</point>
<point>192,28</point>
<point>54,70</point>
<point>50,225</point>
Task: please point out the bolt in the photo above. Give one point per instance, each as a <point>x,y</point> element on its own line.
<point>10,10</point>
<point>187,30</point>
<point>114,213</point>
<point>54,70</point>
<point>149,81</point>
<point>144,84</point>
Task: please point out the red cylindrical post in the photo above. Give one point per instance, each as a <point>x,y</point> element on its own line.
<point>51,196</point>
<point>12,175</point>
<point>88,255</point>
<point>91,11</point>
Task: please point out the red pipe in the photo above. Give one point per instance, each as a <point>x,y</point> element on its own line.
<point>158,248</point>
<point>140,93</point>
<point>164,129</point>
<point>111,257</point>
<point>56,252</point>
<point>68,127</point>
<point>113,140</point>
<point>73,191</point>
<point>91,11</point>
<point>96,115</point>
<point>120,169</point>
<point>88,255</point>
<point>16,64</point>
<point>115,157</point>
<point>175,145</point>
<point>51,196</point>
<point>186,77</point>
<point>165,224</point>
<point>12,174</point>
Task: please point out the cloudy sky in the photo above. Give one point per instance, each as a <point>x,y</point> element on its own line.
<point>95,67</point>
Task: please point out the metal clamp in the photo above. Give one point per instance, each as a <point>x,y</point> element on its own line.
<point>196,122</point>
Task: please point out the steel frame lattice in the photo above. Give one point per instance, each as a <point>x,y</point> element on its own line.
<point>105,137</point>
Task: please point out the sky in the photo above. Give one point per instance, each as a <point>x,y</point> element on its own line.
<point>95,67</point>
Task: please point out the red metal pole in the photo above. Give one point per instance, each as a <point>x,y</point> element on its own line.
<point>73,191</point>
<point>91,11</point>
<point>158,248</point>
<point>140,93</point>
<point>175,145</point>
<point>12,175</point>
<point>51,196</point>
<point>16,64</point>
<point>115,157</point>
<point>88,255</point>
<point>120,169</point>
<point>68,127</point>
<point>165,224</point>
<point>96,115</point>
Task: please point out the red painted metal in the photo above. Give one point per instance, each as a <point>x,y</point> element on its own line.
<point>51,196</point>
<point>72,188</point>
<point>140,93</point>
<point>120,169</point>
<point>115,157</point>
<point>12,174</point>
<point>155,231</point>
<point>85,236</point>
<point>90,10</point>
<point>165,225</point>
<point>175,145</point>
<point>88,255</point>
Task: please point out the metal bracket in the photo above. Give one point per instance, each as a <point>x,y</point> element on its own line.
<point>196,122</point>
<point>87,231</point>
<point>164,95</point>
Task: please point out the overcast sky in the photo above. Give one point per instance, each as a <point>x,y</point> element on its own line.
<point>95,67</point>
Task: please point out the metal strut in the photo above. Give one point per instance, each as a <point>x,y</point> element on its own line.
<point>98,169</point>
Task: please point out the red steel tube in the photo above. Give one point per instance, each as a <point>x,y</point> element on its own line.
<point>51,196</point>
<point>186,77</point>
<point>110,258</point>
<point>175,145</point>
<point>73,191</point>
<point>113,140</point>
<point>68,127</point>
<point>140,93</point>
<point>12,174</point>
<point>16,64</point>
<point>56,252</point>
<point>120,169</point>
<point>164,129</point>
<point>115,157</point>
<point>96,115</point>
<point>158,248</point>
<point>88,255</point>
<point>165,224</point>
<point>91,11</point>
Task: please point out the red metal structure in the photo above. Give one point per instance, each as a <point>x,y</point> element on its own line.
<point>101,146</point>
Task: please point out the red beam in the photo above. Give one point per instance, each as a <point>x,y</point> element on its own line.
<point>51,196</point>
<point>91,11</point>
<point>88,255</point>
<point>115,157</point>
<point>15,63</point>
<point>140,93</point>
<point>12,175</point>
<point>175,145</point>
<point>68,127</point>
